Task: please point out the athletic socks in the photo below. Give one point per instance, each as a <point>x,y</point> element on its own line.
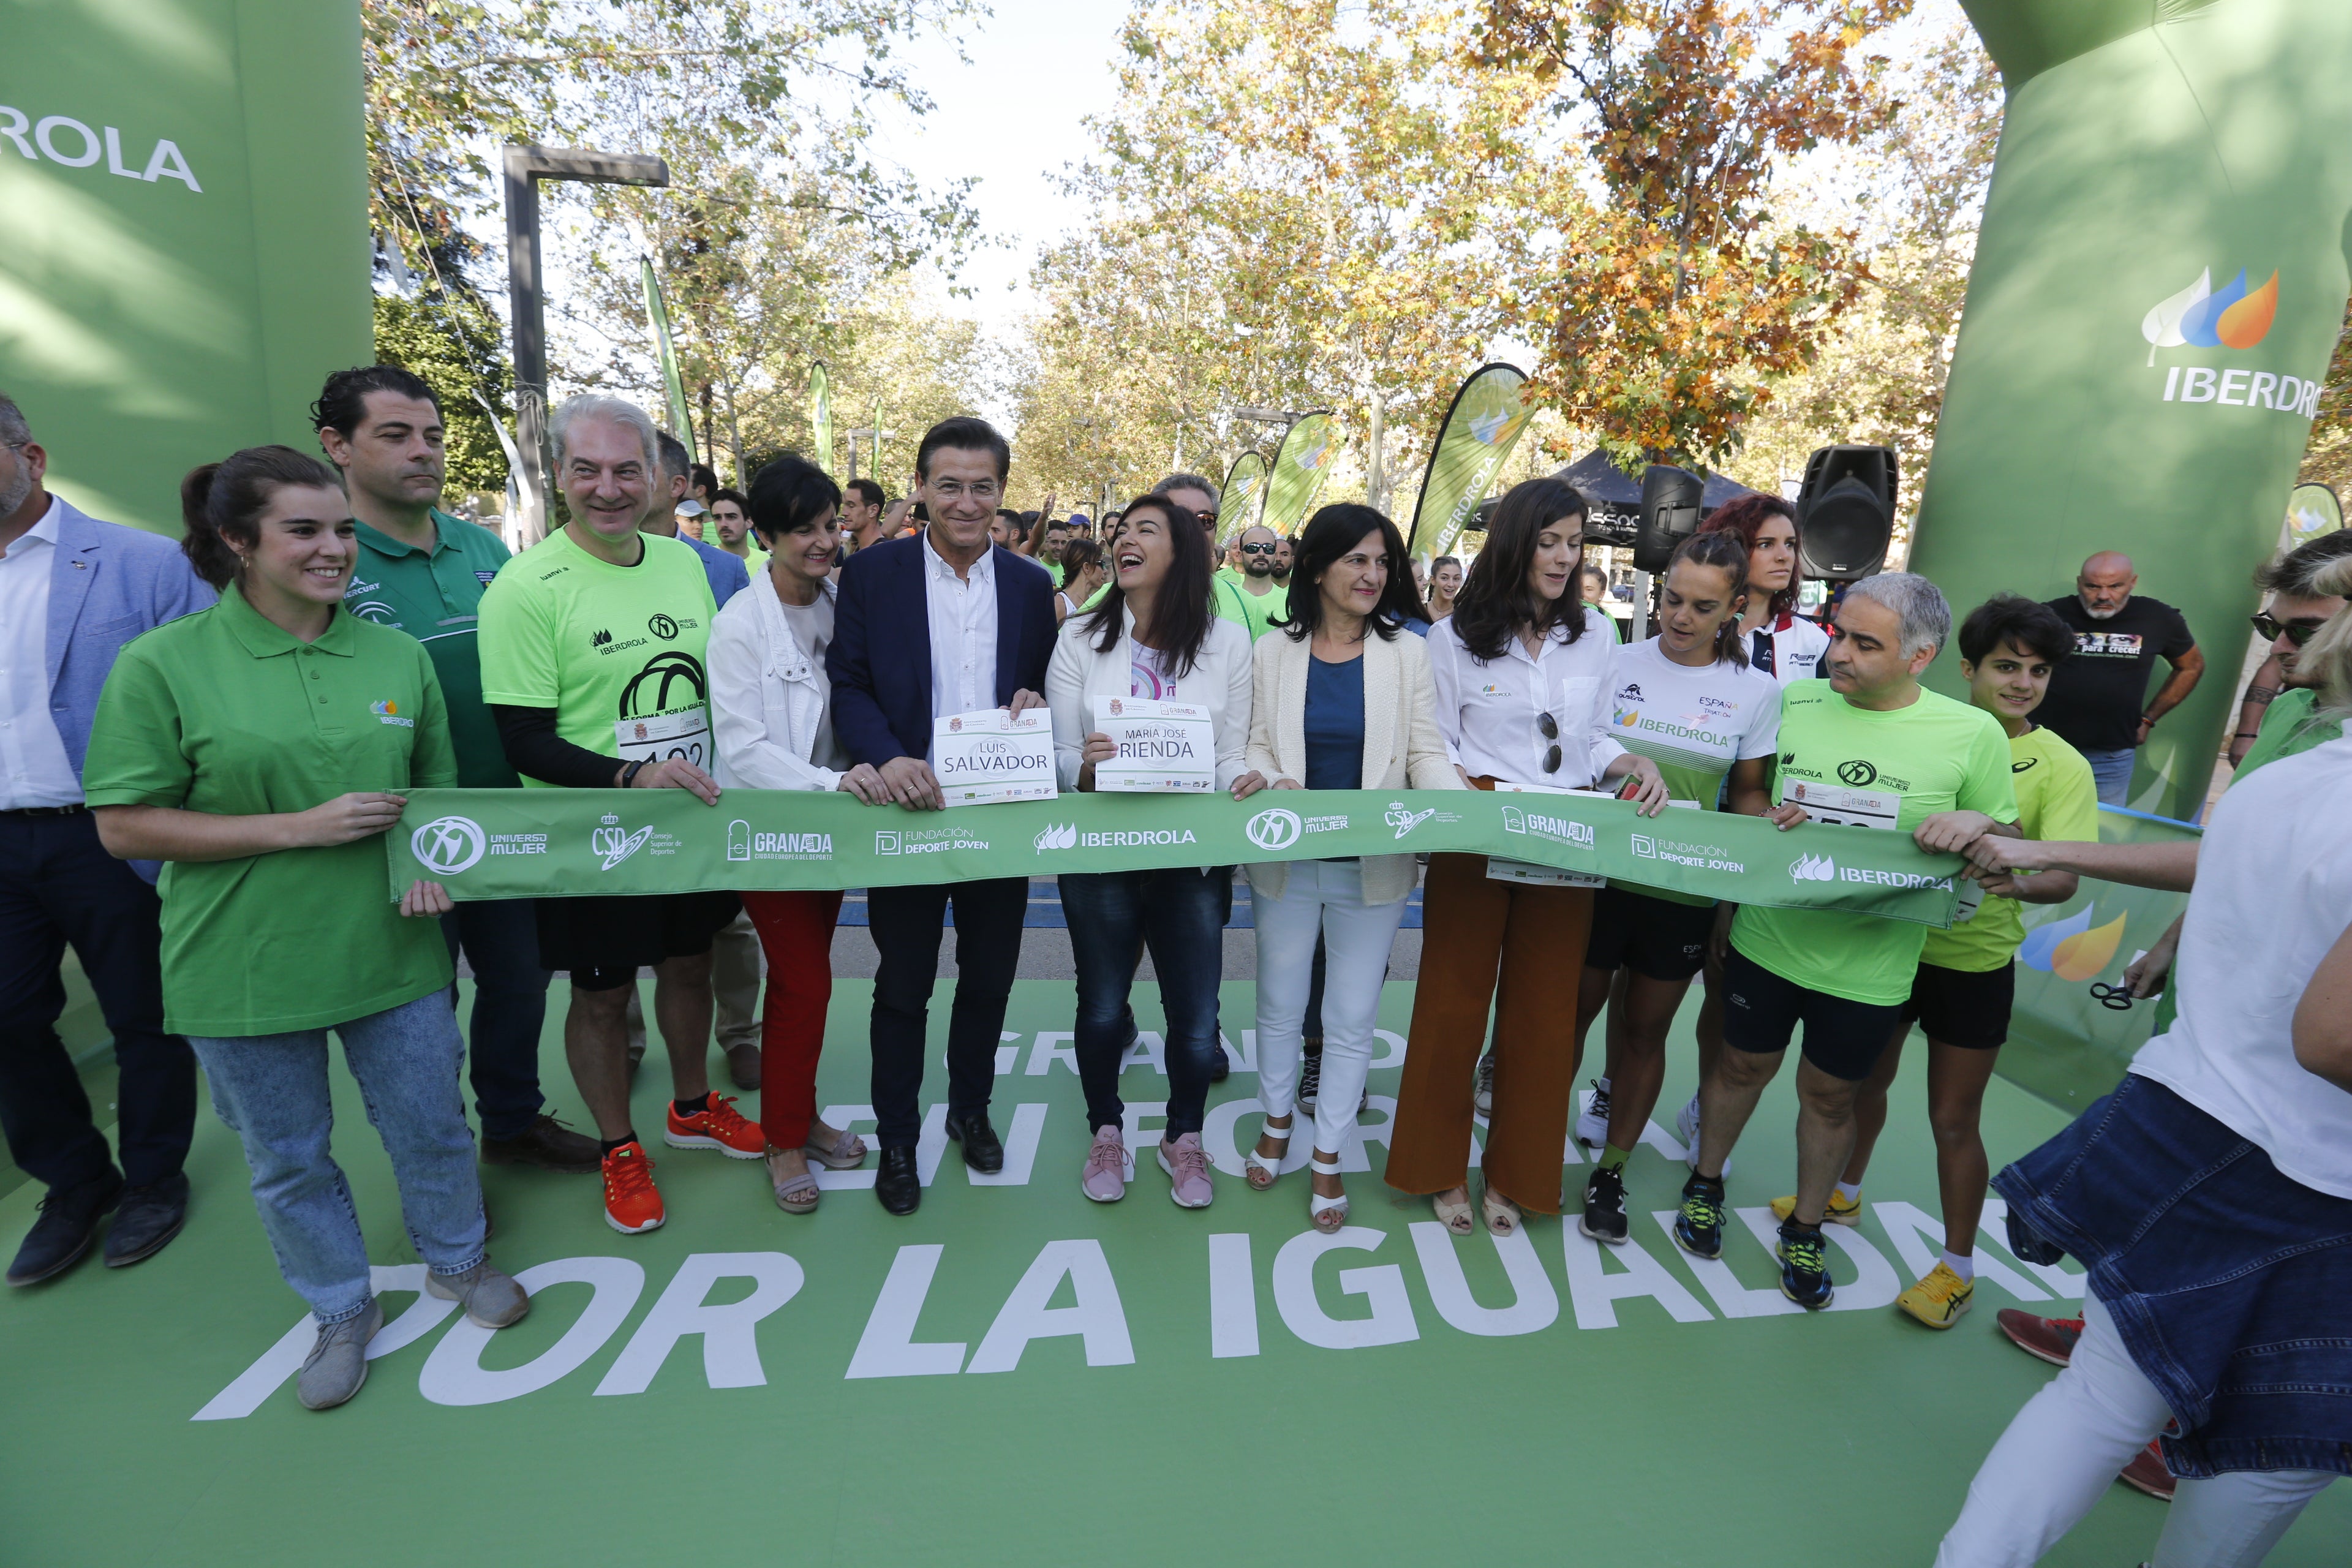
<point>1849,1192</point>
<point>1614,1158</point>
<point>612,1144</point>
<point>695,1107</point>
<point>1965,1266</point>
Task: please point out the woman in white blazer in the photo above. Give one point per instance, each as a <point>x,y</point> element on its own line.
<point>1152,636</point>
<point>1342,701</point>
<point>769,706</point>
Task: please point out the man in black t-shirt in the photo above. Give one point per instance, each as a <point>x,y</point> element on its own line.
<point>2098,700</point>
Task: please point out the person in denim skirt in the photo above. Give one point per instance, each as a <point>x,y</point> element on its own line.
<point>1153,637</point>
<point>261,748</point>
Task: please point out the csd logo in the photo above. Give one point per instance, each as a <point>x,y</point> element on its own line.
<point>1275,830</point>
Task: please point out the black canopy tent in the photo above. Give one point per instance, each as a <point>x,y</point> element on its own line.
<point>1615,496</point>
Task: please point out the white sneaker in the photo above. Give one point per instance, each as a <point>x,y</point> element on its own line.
<point>1686,1129</point>
<point>1485,1098</point>
<point>1592,1126</point>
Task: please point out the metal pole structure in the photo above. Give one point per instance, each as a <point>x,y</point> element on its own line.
<point>526,166</point>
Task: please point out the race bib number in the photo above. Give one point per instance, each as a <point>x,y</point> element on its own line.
<point>683,736</point>
<point>1164,748</point>
<point>991,756</point>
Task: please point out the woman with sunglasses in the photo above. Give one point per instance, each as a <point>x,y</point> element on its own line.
<point>1522,680</point>
<point>1341,701</point>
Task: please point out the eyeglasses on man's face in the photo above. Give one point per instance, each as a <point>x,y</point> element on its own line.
<point>987,491</point>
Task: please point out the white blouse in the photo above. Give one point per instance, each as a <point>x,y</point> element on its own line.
<point>1490,711</point>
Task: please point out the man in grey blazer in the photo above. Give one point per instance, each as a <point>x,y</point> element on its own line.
<point>72,591</point>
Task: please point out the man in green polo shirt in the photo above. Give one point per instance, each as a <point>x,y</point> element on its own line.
<point>1254,601</point>
<point>1869,749</point>
<point>422,572</point>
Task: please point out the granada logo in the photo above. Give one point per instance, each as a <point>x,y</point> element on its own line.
<point>1057,836</point>
<point>1812,868</point>
<point>2198,317</point>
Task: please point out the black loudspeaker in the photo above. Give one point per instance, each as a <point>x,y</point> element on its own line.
<point>1671,500</point>
<point>1845,512</point>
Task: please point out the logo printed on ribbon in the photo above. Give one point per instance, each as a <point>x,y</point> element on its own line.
<point>1057,836</point>
<point>615,843</point>
<point>448,845</point>
<point>886,844</point>
<point>1406,821</point>
<point>1812,868</point>
<point>1274,830</point>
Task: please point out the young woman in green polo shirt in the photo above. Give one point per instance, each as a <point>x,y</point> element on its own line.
<point>261,748</point>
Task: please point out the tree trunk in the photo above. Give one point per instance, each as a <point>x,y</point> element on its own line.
<point>1376,480</point>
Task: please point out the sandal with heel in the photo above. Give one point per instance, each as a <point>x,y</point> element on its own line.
<point>1254,1165</point>
<point>1454,1217</point>
<point>1327,1214</point>
<point>1502,1215</point>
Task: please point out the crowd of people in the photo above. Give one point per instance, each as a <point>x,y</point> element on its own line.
<point>249,711</point>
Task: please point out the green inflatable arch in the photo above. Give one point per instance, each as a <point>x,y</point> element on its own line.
<point>2158,284</point>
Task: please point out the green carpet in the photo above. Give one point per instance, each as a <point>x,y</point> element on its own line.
<point>1136,1380</point>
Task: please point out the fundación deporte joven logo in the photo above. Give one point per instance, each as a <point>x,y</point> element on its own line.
<point>2235,317</point>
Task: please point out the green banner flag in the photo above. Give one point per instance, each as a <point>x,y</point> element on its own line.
<point>521,843</point>
<point>1472,447</point>
<point>681,418</point>
<point>1245,495</point>
<point>2311,511</point>
<point>820,412</point>
<point>1300,466</point>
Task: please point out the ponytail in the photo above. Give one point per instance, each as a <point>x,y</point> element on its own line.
<point>1725,550</point>
<point>222,501</point>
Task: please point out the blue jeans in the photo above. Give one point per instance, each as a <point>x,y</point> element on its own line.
<point>272,1091</point>
<point>501,938</point>
<point>2112,772</point>
<point>1178,914</point>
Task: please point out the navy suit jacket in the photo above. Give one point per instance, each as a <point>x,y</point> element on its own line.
<point>880,658</point>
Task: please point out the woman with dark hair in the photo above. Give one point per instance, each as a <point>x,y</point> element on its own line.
<point>1152,638</point>
<point>1445,582</point>
<point>1593,588</point>
<point>1781,642</point>
<point>1081,575</point>
<point>1339,701</point>
<point>261,748</point>
<point>1521,680</point>
<point>1687,700</point>
<point>772,726</point>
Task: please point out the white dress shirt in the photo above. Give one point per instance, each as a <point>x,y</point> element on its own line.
<point>962,613</point>
<point>1490,711</point>
<point>34,767</point>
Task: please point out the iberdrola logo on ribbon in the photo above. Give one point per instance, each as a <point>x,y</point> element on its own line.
<point>2199,317</point>
<point>2072,949</point>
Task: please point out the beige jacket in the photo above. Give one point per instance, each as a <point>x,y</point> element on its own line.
<point>1402,746</point>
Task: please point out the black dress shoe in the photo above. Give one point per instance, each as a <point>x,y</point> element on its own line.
<point>548,1144</point>
<point>983,1150</point>
<point>146,1220</point>
<point>67,1224</point>
<point>1220,1066</point>
<point>898,1183</point>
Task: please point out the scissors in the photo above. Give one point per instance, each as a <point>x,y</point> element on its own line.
<point>2116,997</point>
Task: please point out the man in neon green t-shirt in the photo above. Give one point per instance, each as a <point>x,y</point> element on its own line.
<point>1869,748</point>
<point>1962,996</point>
<point>1248,597</point>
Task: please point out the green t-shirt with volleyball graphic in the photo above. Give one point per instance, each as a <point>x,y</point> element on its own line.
<point>2056,798</point>
<point>1694,722</point>
<point>1885,770</point>
<point>618,651</point>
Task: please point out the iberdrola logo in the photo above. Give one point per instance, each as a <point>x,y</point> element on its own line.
<point>1628,716</point>
<point>2072,949</point>
<point>2200,318</point>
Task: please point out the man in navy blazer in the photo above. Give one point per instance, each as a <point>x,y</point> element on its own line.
<point>72,591</point>
<point>941,624</point>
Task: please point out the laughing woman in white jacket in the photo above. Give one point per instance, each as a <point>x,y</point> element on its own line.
<point>769,704</point>
<point>1153,637</point>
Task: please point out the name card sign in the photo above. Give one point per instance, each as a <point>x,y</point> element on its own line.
<point>1164,748</point>
<point>993,755</point>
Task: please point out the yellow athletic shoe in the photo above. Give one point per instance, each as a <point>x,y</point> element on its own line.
<point>1938,1300</point>
<point>1838,1211</point>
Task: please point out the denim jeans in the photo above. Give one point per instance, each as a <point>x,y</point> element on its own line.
<point>1325,897</point>
<point>501,938</point>
<point>1180,915</point>
<point>272,1090</point>
<point>2111,773</point>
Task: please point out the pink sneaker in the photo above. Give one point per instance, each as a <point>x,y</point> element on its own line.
<point>1187,1165</point>
<point>1104,1178</point>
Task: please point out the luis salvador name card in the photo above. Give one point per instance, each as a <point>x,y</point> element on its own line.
<point>1163,747</point>
<point>993,755</point>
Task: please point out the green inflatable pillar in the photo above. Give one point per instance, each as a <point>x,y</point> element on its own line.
<point>2159,283</point>
<point>185,185</point>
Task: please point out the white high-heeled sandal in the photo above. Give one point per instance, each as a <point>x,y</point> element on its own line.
<point>1252,1162</point>
<point>1327,1214</point>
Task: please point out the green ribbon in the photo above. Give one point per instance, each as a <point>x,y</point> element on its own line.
<point>525,843</point>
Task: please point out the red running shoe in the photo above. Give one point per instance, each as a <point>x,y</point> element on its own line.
<point>717,1127</point>
<point>632,1203</point>
<point>2044,1338</point>
<point>2147,1473</point>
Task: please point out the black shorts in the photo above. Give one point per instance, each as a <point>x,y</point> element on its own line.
<point>1842,1038</point>
<point>605,939</point>
<point>1655,938</point>
<point>1963,1008</point>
